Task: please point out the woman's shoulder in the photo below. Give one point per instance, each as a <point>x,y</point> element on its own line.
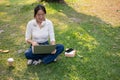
<point>31,21</point>
<point>48,21</point>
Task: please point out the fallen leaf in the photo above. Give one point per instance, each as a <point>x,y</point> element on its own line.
<point>5,51</point>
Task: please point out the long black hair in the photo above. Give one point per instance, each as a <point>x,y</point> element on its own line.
<point>39,7</point>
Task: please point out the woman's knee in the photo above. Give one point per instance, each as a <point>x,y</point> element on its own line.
<point>60,47</point>
<point>28,54</point>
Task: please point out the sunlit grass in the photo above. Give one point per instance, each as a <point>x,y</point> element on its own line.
<point>4,2</point>
<point>101,9</point>
<point>4,17</point>
<point>86,40</point>
<point>3,13</point>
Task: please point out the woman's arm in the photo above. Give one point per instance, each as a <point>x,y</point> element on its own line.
<point>52,42</point>
<point>32,42</point>
<point>51,33</point>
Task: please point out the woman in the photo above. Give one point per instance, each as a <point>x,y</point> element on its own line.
<point>39,31</point>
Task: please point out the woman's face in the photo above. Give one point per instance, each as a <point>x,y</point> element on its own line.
<point>40,16</point>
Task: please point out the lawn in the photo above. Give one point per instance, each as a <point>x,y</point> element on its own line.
<point>90,27</point>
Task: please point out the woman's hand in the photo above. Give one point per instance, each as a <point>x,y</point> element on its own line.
<point>52,42</point>
<point>53,52</point>
<point>34,44</point>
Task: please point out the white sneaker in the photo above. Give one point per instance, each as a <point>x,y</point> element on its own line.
<point>29,61</point>
<point>37,62</point>
<point>55,60</point>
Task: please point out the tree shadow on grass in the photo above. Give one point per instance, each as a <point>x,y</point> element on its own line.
<point>90,32</point>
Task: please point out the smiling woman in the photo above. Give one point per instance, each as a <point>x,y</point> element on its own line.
<point>38,32</point>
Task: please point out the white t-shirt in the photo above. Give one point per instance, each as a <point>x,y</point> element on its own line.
<point>40,35</point>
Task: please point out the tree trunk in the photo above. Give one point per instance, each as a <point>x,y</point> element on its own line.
<point>60,1</point>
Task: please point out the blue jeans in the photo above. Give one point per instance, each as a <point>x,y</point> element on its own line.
<point>46,58</point>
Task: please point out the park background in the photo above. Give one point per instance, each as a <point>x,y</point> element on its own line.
<point>92,27</point>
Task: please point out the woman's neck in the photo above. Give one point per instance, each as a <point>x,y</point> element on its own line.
<point>39,22</point>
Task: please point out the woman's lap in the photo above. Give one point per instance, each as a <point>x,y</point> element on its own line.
<point>45,58</point>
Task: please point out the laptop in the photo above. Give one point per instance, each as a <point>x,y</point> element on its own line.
<point>43,49</point>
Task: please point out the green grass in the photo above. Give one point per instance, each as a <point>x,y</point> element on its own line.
<point>95,36</point>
